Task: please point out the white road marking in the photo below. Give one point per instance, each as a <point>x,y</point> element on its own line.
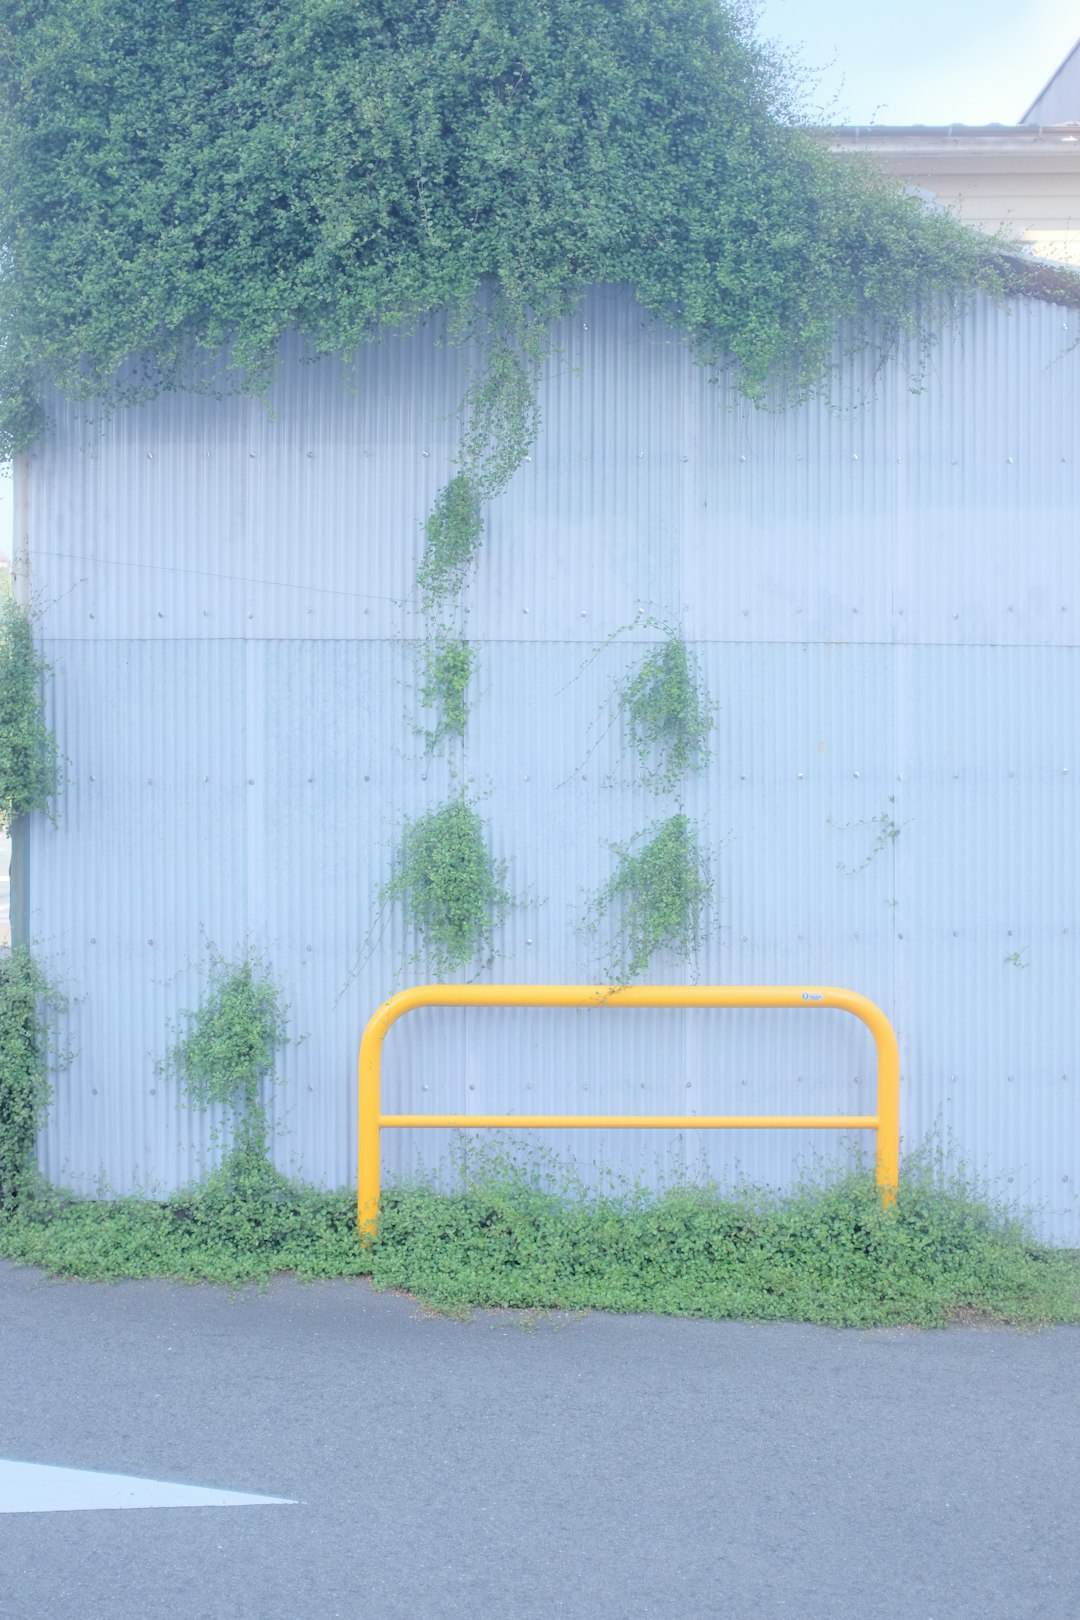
<point>38,1488</point>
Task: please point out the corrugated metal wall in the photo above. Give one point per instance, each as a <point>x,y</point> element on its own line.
<point>883,592</point>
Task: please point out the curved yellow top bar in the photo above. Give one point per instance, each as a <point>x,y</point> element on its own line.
<point>370,1119</point>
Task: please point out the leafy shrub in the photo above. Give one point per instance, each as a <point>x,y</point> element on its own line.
<point>29,768</point>
<point>245,1223</point>
<point>26,998</point>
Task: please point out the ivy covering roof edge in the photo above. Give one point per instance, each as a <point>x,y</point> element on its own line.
<point>182,176</point>
<point>1032,278</point>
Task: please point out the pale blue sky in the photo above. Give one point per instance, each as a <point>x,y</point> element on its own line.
<point>927,62</point>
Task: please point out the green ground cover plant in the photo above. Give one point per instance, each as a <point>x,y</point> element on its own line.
<point>517,1233</point>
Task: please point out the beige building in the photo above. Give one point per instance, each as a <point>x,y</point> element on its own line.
<point>1022,179</point>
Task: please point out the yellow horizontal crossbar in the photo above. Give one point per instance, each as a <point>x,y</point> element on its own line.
<point>371,1120</point>
<point>670,1122</point>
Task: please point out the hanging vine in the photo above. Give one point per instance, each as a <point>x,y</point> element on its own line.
<point>186,182</point>
<point>456,910</point>
<point>453,534</point>
<point>883,827</point>
<point>449,664</point>
<point>501,420</point>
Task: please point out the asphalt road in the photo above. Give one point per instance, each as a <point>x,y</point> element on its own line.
<point>594,1467</point>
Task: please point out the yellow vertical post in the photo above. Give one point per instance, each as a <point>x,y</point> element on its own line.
<point>888,1107</point>
<point>369,1086</point>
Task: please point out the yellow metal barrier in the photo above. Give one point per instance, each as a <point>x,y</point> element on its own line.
<point>371,1119</point>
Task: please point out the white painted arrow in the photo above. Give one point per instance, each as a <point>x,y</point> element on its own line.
<point>37,1488</point>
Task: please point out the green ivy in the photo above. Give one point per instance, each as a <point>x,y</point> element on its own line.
<point>29,767</point>
<point>668,714</point>
<point>26,999</point>
<point>452,538</point>
<point>219,172</point>
<point>501,413</point>
<point>886,830</point>
<point>521,1233</point>
<point>451,889</point>
<point>657,897</point>
<point>501,422</point>
<point>229,1049</point>
<point>449,665</point>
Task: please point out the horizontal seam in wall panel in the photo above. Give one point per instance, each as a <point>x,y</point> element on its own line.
<point>48,643</point>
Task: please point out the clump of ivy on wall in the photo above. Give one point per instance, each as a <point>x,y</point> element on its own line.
<point>227,1054</point>
<point>451,889</point>
<point>452,540</point>
<point>29,765</point>
<point>657,894</point>
<point>449,663</point>
<point>668,714</point>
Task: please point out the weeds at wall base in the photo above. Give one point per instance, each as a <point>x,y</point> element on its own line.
<point>827,1253</point>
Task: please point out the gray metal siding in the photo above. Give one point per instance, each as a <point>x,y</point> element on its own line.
<point>882,592</point>
<point>1058,102</point>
